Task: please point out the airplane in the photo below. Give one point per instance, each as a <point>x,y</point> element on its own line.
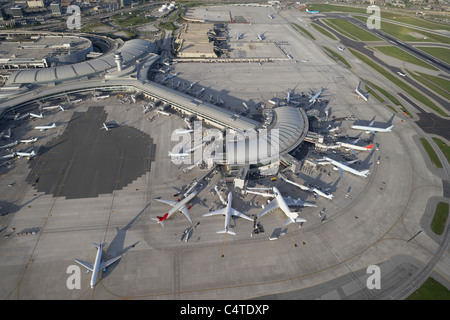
<point>261,36</point>
<point>240,36</point>
<point>343,167</point>
<point>315,97</point>
<point>282,203</point>
<point>170,76</point>
<point>352,146</point>
<point>363,95</point>
<point>29,155</point>
<point>316,191</point>
<point>98,264</point>
<point>18,118</point>
<point>371,129</point>
<point>178,154</point>
<point>9,145</point>
<point>106,127</point>
<point>54,107</point>
<point>179,205</point>
<point>163,112</point>
<point>43,128</point>
<point>228,212</point>
<point>305,60</point>
<point>183,131</point>
<point>8,156</point>
<point>33,115</point>
<point>271,16</point>
<point>27,141</point>
<point>312,12</point>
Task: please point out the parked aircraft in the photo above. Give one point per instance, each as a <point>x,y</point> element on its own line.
<point>183,131</point>
<point>180,205</point>
<point>170,76</point>
<point>314,97</point>
<point>371,129</point>
<point>228,211</point>
<point>33,115</point>
<point>343,167</point>
<point>27,141</point>
<point>43,128</point>
<point>316,191</point>
<point>282,203</point>
<point>54,107</point>
<point>182,154</point>
<point>271,16</point>
<point>352,146</point>
<point>98,264</point>
<point>361,94</point>
<point>29,155</point>
<point>8,156</point>
<point>105,127</point>
<point>312,12</point>
<point>261,36</point>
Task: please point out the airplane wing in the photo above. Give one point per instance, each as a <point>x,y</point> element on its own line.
<point>169,202</point>
<point>340,172</point>
<point>269,208</point>
<point>240,215</point>
<point>110,261</point>
<point>85,264</point>
<point>185,211</point>
<point>222,211</point>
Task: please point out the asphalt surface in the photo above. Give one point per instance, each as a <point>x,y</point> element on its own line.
<point>428,121</point>
<point>86,161</point>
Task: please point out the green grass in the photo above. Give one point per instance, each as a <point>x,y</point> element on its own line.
<point>444,148</point>
<point>431,153</point>
<point>440,82</point>
<point>414,21</point>
<point>304,31</point>
<point>385,93</point>
<point>440,53</point>
<point>167,26</point>
<point>131,19</point>
<point>404,56</point>
<point>393,109</point>
<point>430,290</point>
<point>323,31</point>
<point>337,56</point>
<point>354,30</point>
<point>429,84</point>
<point>402,85</point>
<point>440,218</point>
<point>330,8</point>
<point>405,33</point>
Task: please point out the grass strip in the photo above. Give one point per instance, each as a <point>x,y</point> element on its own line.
<point>431,153</point>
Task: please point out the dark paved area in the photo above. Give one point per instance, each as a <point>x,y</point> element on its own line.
<point>86,161</point>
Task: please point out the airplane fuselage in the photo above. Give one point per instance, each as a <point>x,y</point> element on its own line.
<point>96,269</point>
<point>372,129</point>
<point>347,168</point>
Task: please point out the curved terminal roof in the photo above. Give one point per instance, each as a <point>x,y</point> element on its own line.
<point>131,51</point>
<point>290,129</point>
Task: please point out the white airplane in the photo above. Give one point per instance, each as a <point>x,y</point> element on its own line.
<point>371,129</point>
<point>315,97</point>
<point>183,131</point>
<point>316,191</point>
<point>102,97</point>
<point>18,117</point>
<point>182,154</point>
<point>9,145</point>
<point>29,155</point>
<point>8,156</point>
<point>240,36</point>
<point>163,112</point>
<point>105,127</point>
<point>170,76</point>
<point>27,141</point>
<point>176,206</point>
<point>98,264</point>
<point>271,16</point>
<point>228,212</point>
<point>33,115</point>
<point>54,107</point>
<point>283,204</point>
<point>261,36</point>
<point>361,94</point>
<point>43,128</point>
<point>343,167</point>
<point>352,146</point>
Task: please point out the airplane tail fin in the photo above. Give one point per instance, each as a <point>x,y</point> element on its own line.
<point>369,147</point>
<point>295,220</point>
<point>227,231</point>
